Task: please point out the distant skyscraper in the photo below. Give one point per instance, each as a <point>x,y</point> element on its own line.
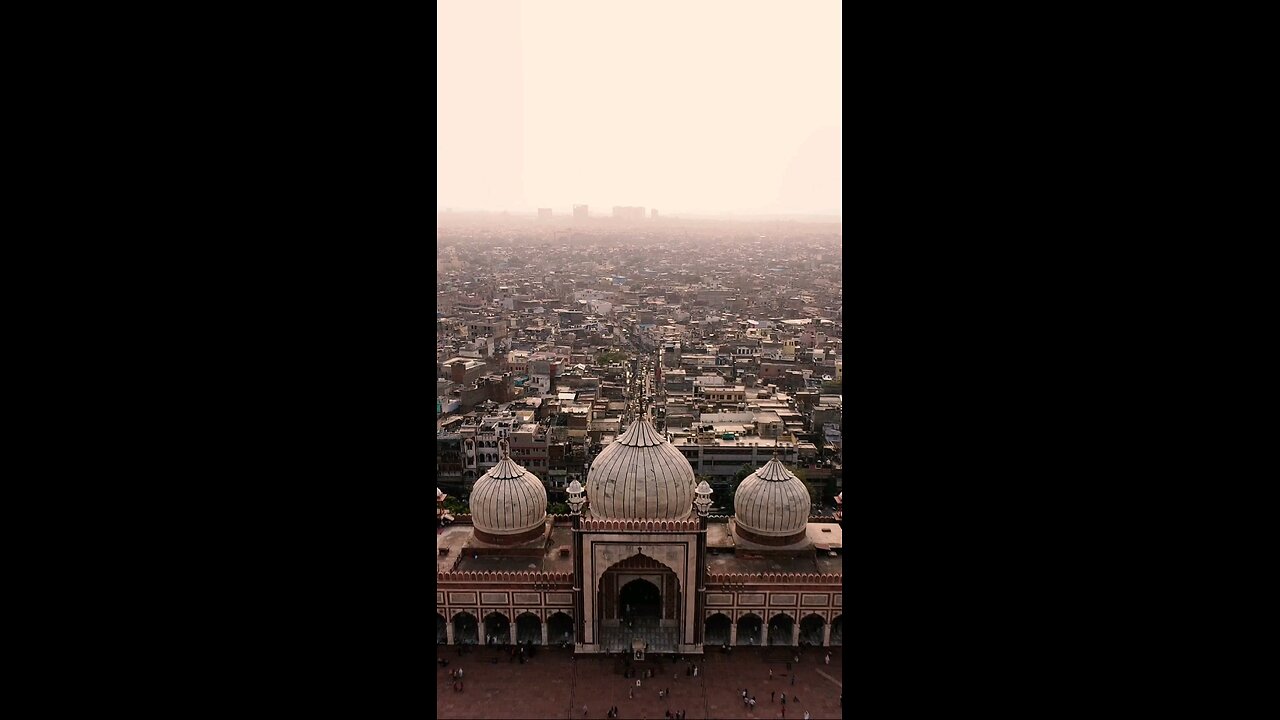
<point>544,213</point>
<point>628,213</point>
<point>653,214</point>
<point>580,211</point>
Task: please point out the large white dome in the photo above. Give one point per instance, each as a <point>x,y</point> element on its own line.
<point>772,502</point>
<point>640,475</point>
<point>508,500</point>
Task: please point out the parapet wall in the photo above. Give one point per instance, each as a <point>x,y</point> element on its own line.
<point>633,525</point>
<point>773,578</point>
<point>509,578</point>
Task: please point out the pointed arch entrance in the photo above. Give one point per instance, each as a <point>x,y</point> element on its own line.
<point>497,629</point>
<point>529,629</point>
<point>749,627</point>
<point>781,629</point>
<point>719,628</point>
<point>811,630</point>
<point>465,629</point>
<point>560,629</point>
<point>639,600</point>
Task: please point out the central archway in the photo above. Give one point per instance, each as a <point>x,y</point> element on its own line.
<point>640,599</point>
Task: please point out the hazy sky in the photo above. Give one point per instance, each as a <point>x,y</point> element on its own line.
<point>696,106</point>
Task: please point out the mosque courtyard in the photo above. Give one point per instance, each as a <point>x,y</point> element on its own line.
<point>555,684</point>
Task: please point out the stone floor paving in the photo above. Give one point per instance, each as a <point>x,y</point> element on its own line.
<point>748,669</point>
<point>540,688</point>
<point>554,685</point>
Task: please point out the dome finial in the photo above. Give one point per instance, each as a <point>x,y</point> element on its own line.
<point>504,447</point>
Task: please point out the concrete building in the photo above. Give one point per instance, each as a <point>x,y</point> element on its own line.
<point>464,371</point>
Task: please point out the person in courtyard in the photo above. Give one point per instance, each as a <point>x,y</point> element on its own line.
<point>828,657</point>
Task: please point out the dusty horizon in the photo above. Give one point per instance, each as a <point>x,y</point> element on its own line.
<point>708,109</point>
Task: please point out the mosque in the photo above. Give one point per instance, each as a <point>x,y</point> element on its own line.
<point>639,565</point>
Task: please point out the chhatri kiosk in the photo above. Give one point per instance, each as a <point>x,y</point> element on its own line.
<point>639,563</point>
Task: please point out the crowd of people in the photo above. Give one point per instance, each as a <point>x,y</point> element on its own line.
<point>524,651</point>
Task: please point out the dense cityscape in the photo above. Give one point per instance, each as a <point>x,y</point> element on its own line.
<point>543,322</point>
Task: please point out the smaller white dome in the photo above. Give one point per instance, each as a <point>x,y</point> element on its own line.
<point>508,500</point>
<point>772,502</point>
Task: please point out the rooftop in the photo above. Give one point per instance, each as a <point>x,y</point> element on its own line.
<point>548,561</point>
<point>751,440</point>
<point>803,561</point>
<point>739,556</point>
